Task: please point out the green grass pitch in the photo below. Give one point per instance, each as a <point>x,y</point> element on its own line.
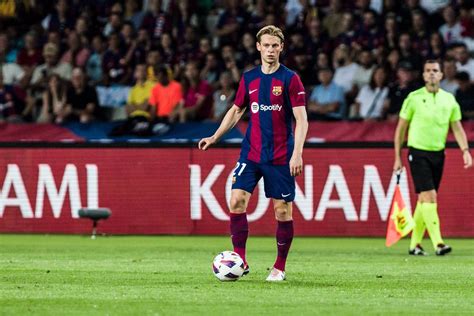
<point>74,275</point>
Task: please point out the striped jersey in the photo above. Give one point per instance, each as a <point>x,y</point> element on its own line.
<point>271,99</point>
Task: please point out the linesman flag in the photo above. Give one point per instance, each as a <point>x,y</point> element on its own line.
<point>400,222</point>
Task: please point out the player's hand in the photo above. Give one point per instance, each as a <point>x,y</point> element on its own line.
<point>467,159</point>
<point>397,166</point>
<point>296,165</point>
<point>205,143</point>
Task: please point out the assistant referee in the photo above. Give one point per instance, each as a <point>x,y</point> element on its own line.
<point>427,114</point>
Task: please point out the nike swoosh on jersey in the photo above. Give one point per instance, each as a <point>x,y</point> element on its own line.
<point>302,92</point>
<point>252,91</point>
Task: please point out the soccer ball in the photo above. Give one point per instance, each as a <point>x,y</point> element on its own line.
<point>228,266</point>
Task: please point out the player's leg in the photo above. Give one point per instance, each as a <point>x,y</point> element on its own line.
<point>418,232</point>
<point>245,178</point>
<point>280,186</point>
<point>420,167</point>
<point>430,205</point>
<point>239,228</point>
<point>284,237</point>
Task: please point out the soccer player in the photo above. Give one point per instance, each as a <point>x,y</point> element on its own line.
<point>428,113</point>
<point>274,95</point>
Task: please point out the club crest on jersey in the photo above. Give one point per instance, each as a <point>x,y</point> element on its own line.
<point>254,107</point>
<point>277,90</point>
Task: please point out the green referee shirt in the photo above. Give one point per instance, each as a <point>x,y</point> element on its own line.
<point>430,115</point>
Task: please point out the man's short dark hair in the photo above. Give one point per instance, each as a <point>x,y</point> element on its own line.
<point>433,61</point>
<point>462,76</point>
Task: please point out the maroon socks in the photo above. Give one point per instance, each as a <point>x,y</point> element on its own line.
<point>239,229</point>
<point>284,237</point>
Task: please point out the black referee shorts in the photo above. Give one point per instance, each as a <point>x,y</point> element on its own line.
<point>426,168</point>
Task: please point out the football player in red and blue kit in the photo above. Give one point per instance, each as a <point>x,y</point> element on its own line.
<point>274,95</point>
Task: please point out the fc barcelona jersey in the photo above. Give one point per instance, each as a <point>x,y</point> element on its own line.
<point>271,98</point>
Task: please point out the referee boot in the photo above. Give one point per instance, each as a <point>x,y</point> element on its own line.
<point>417,251</point>
<point>443,249</point>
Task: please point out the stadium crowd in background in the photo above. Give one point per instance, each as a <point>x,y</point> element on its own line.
<point>180,60</point>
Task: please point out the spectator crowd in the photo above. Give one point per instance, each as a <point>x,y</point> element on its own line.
<point>181,60</point>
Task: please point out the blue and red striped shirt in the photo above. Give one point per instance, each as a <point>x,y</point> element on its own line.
<point>271,99</point>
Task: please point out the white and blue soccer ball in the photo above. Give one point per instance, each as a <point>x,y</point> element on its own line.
<point>228,266</point>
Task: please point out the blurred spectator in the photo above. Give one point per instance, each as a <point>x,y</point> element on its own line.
<point>365,68</point>
<point>436,49</point>
<point>345,69</point>
<point>197,97</point>
<point>369,35</point>
<point>370,100</point>
<point>51,65</point>
<point>94,63</point>
<point>316,40</point>
<point>138,117</point>
<point>391,31</point>
<point>9,103</point>
<point>168,49</point>
<point>156,20</point>
<point>9,53</point>
<point>332,21</point>
<point>114,25</point>
<point>139,95</point>
<point>223,97</point>
<point>419,33</point>
<point>77,55</point>
<point>60,20</point>
<point>464,62</point>
<point>231,22</point>
<point>407,53</point>
<point>12,73</point>
<point>81,100</point>
<point>166,97</point>
<point>399,91</point>
<point>82,30</point>
<point>228,56</point>
<point>54,101</point>
<point>113,63</point>
<point>30,55</point>
<point>249,56</point>
<point>465,95</point>
<point>327,100</point>
<point>133,14</point>
<point>211,70</point>
<point>153,58</point>
<point>449,82</point>
<point>451,30</point>
<point>348,36</point>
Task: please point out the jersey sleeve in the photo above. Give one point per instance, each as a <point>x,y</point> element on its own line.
<point>241,98</point>
<point>456,112</point>
<point>407,110</point>
<point>296,92</point>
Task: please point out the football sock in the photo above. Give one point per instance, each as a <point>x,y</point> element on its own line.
<point>239,229</point>
<point>284,237</point>
<point>430,216</point>
<point>419,229</point>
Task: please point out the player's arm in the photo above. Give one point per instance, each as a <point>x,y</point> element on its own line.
<point>301,128</point>
<point>461,139</point>
<point>230,119</point>
<point>400,133</point>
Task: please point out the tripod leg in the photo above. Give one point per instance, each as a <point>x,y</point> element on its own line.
<point>94,230</point>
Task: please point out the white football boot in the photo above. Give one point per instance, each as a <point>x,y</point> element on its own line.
<point>276,275</point>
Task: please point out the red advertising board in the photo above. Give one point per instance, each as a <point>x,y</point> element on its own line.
<point>343,192</point>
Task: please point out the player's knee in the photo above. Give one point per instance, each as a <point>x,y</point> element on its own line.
<point>237,205</point>
<point>282,214</point>
<point>428,197</point>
